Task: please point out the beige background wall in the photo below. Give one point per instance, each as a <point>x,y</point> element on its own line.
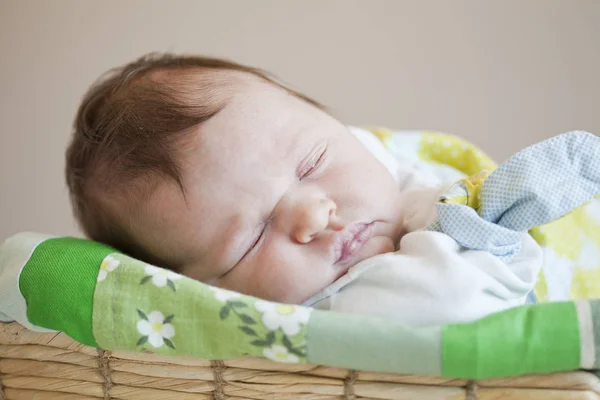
<point>501,73</point>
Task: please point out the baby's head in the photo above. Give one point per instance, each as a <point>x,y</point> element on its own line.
<point>216,171</point>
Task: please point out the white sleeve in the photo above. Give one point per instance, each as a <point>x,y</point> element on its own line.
<point>433,280</point>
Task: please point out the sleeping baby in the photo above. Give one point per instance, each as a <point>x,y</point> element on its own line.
<point>216,171</point>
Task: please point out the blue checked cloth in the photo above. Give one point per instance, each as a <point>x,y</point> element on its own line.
<point>536,186</point>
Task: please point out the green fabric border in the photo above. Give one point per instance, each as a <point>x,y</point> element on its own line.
<point>529,339</point>
<point>370,343</point>
<point>595,308</point>
<point>58,284</point>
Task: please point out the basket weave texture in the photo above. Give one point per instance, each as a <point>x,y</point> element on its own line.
<point>46,366</point>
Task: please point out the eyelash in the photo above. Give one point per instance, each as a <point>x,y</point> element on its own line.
<point>259,237</point>
<point>256,241</point>
<point>312,167</point>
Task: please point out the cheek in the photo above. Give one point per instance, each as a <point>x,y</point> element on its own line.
<point>285,272</point>
<point>363,186</point>
<point>283,269</point>
<point>363,172</point>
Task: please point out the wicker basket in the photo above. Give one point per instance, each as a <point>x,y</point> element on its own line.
<point>45,366</point>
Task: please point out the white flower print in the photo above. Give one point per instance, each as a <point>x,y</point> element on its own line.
<point>592,210</point>
<point>589,255</point>
<point>287,317</point>
<point>280,354</point>
<point>160,277</point>
<point>558,272</point>
<point>109,264</point>
<point>155,329</point>
<point>224,295</point>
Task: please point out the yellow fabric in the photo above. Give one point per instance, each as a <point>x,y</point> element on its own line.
<point>455,152</point>
<point>383,134</point>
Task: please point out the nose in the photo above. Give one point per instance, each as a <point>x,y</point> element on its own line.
<point>306,217</point>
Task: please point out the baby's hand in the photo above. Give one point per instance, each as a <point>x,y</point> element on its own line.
<point>466,191</point>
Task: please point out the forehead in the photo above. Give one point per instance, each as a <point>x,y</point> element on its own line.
<point>259,128</point>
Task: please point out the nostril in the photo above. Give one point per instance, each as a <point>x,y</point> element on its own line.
<point>305,238</point>
<point>332,208</point>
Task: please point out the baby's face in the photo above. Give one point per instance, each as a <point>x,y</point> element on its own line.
<point>280,200</point>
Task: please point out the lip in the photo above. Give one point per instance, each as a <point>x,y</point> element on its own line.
<point>349,242</point>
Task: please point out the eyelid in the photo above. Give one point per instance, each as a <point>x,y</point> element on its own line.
<point>259,237</point>
<point>263,228</point>
<point>312,161</point>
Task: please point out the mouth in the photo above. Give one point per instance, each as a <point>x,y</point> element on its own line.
<point>350,242</point>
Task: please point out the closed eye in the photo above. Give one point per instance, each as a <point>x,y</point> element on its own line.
<point>313,163</point>
<point>259,235</point>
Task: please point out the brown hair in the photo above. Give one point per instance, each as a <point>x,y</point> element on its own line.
<point>125,133</point>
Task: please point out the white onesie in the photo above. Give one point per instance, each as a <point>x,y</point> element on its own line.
<point>431,279</point>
